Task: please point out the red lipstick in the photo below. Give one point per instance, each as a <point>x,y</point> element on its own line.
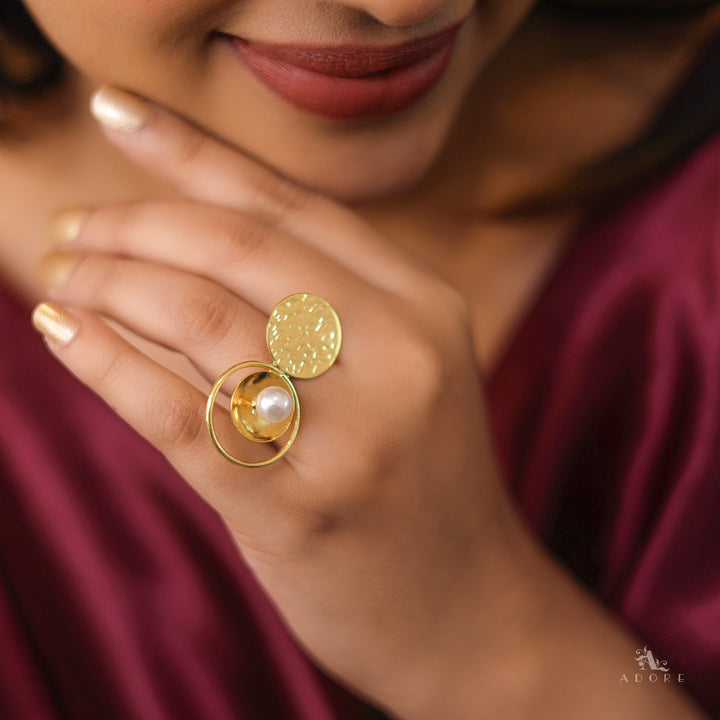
<point>351,82</point>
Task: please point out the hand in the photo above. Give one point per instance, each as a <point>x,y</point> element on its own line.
<point>383,534</point>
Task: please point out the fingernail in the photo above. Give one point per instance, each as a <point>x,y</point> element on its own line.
<point>120,110</point>
<point>66,225</point>
<point>54,323</point>
<point>54,269</point>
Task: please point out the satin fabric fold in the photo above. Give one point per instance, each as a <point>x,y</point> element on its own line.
<point>606,414</point>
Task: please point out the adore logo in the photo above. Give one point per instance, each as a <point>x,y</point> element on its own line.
<point>655,670</point>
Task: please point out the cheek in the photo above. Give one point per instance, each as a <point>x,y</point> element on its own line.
<point>99,35</point>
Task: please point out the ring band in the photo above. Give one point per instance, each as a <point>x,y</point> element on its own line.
<point>304,336</point>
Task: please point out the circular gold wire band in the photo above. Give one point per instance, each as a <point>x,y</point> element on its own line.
<point>211,405</point>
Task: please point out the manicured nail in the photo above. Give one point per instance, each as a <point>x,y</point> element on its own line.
<point>120,111</point>
<point>65,226</point>
<point>54,269</point>
<point>54,323</point>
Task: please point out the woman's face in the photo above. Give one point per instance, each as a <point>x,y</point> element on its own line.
<point>309,87</point>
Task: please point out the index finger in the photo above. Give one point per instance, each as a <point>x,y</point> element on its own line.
<point>203,168</point>
<point>198,165</point>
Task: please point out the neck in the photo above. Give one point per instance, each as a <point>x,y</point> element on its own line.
<point>559,96</point>
<point>564,92</point>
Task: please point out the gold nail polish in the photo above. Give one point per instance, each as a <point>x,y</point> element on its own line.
<point>54,269</point>
<point>120,110</point>
<point>65,226</point>
<point>54,323</point>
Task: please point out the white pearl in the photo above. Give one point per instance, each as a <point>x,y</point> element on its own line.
<point>273,404</point>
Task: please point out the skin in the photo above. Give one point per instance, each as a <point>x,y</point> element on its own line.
<point>196,74</point>
<point>479,622</point>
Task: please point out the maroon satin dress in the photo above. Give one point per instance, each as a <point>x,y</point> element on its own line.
<point>122,597</point>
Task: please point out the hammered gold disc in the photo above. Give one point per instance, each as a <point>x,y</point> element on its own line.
<point>243,412</point>
<point>304,335</point>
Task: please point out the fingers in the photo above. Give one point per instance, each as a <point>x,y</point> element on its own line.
<point>261,264</point>
<point>198,165</point>
<point>212,327</point>
<point>166,410</point>
<point>190,314</point>
<point>204,169</point>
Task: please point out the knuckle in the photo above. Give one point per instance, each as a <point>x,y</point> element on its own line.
<point>421,351</point>
<point>443,320</point>
<point>204,317</point>
<point>369,473</point>
<point>456,302</point>
<point>276,197</point>
<point>239,238</point>
<point>174,416</point>
<point>111,368</point>
<point>430,367</point>
<point>128,218</point>
<point>95,278</point>
<point>441,295</point>
<point>188,148</point>
<point>123,226</point>
<point>337,490</point>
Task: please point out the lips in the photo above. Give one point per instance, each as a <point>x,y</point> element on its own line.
<point>351,82</point>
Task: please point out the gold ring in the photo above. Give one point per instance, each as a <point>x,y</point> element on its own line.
<point>304,336</point>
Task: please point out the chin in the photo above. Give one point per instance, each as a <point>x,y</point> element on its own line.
<point>356,188</point>
<point>378,167</point>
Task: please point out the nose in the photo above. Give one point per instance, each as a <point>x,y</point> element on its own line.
<point>397,13</point>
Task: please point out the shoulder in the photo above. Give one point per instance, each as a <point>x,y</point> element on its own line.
<point>607,414</point>
<point>679,214</point>
<point>607,407</point>
<point>630,275</point>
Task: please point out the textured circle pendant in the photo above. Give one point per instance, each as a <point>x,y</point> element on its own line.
<point>304,335</point>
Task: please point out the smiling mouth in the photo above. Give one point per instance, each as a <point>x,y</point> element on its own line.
<point>350,82</point>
